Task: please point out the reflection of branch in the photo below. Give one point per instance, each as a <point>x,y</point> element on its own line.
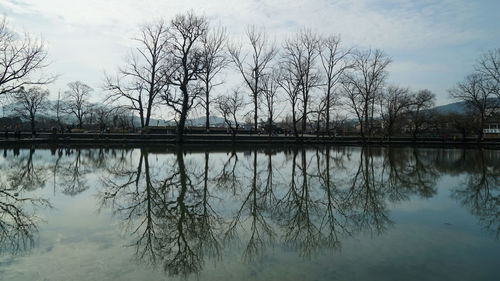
<point>406,176</point>
<point>17,227</point>
<point>171,216</point>
<point>209,218</point>
<point>168,206</point>
<point>25,175</point>
<point>480,193</point>
<point>301,230</point>
<point>56,166</point>
<point>260,230</point>
<point>367,196</point>
<point>270,197</point>
<point>333,204</point>
<point>73,176</point>
<point>227,178</point>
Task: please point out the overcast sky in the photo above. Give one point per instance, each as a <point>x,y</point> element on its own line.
<point>433,44</point>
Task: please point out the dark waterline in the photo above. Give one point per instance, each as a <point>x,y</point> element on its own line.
<point>282,213</point>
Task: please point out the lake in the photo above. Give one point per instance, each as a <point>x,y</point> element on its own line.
<point>241,213</point>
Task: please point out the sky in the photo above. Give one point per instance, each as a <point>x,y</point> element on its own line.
<point>433,44</point>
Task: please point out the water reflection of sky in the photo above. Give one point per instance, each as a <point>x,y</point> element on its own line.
<point>422,229</point>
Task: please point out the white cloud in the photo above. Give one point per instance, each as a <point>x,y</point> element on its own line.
<point>393,24</point>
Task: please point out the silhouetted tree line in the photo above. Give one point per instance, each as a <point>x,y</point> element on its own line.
<point>313,83</point>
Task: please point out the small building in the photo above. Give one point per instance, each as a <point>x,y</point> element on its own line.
<point>491,129</point>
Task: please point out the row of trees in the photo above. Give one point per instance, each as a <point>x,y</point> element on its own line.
<point>480,90</point>
<point>23,63</point>
<point>178,64</point>
<point>21,59</point>
<point>72,108</point>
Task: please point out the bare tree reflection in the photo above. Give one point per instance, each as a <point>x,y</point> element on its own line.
<point>211,222</point>
<point>480,191</point>
<point>170,215</point>
<point>335,219</point>
<point>18,220</point>
<point>300,211</point>
<point>406,173</point>
<point>308,204</point>
<point>73,173</point>
<point>367,196</point>
<point>227,178</point>
<point>178,208</point>
<point>24,174</point>
<point>252,214</point>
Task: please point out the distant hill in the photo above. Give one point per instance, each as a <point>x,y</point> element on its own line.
<point>200,121</point>
<point>7,110</point>
<point>456,107</point>
<point>216,121</point>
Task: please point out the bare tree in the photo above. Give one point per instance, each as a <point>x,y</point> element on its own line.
<point>300,56</point>
<point>186,64</point>
<point>363,84</point>
<point>143,77</point>
<point>30,102</point>
<point>270,99</point>
<point>334,62</point>
<point>21,57</point>
<point>229,106</point>
<point>77,100</point>
<point>318,109</point>
<point>254,68</point>
<point>290,83</point>
<point>214,60</point>
<point>463,122</point>
<point>394,104</point>
<point>121,118</point>
<point>59,108</point>
<point>339,122</point>
<point>489,67</point>
<point>479,96</point>
<point>420,113</point>
<point>102,115</point>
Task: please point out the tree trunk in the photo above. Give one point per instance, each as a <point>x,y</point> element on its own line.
<point>141,114</point>
<point>148,114</point>
<point>255,112</point>
<point>270,124</point>
<point>318,127</point>
<point>294,121</point>
<point>327,125</point>
<point>361,127</point>
<point>233,133</point>
<point>304,118</point>
<point>182,120</point>
<point>366,125</point>
<point>481,126</point>
<point>207,110</point>
<point>33,125</point>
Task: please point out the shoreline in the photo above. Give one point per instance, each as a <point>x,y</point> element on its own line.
<point>222,139</point>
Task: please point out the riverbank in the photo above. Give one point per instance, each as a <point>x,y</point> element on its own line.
<point>223,139</point>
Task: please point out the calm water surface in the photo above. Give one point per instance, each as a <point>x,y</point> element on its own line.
<point>340,213</point>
